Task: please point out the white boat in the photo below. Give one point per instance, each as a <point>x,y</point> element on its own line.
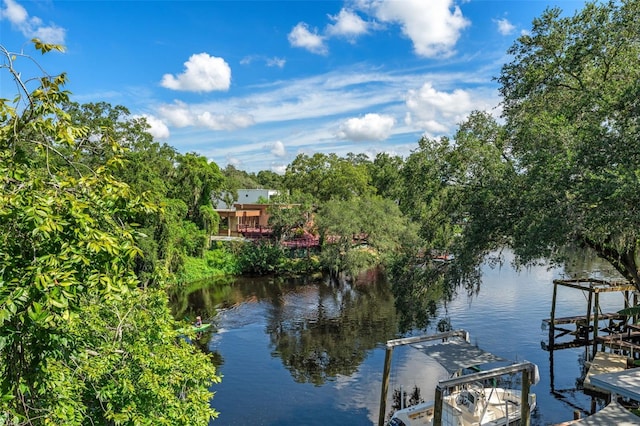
<point>464,399</point>
<point>473,405</point>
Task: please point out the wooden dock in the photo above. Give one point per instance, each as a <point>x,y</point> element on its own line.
<point>603,363</point>
<point>596,327</point>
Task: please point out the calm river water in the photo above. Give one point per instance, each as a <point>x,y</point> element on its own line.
<point>312,353</point>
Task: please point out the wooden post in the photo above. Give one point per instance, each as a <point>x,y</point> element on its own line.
<point>552,332</point>
<point>525,409</point>
<point>596,309</point>
<point>588,319</point>
<point>437,407</point>
<point>385,385</point>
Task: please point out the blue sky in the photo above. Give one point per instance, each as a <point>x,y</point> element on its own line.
<point>255,83</point>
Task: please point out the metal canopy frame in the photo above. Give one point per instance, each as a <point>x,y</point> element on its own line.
<point>455,352</point>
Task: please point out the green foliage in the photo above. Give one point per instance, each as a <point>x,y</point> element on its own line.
<point>418,286</point>
<point>261,258</point>
<point>385,175</point>
<point>81,342</point>
<point>195,180</point>
<point>216,262</point>
<point>287,215</point>
<point>361,233</point>
<point>238,179</point>
<point>269,180</point>
<point>571,109</point>
<point>428,196</point>
<point>138,372</point>
<point>326,177</point>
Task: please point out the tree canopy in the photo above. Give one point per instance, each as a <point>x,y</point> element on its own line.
<point>82,341</point>
<point>571,109</point>
<point>563,166</point>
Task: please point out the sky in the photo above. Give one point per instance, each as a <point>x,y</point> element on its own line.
<point>255,83</point>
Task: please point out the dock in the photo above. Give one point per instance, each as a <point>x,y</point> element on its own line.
<point>603,363</point>
<point>610,330</point>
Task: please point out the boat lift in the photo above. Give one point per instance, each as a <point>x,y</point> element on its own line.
<point>527,369</point>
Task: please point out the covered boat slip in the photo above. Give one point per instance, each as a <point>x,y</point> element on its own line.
<point>612,414</point>
<point>626,384</point>
<point>453,351</point>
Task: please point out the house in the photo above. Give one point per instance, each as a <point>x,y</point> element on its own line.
<point>247,215</point>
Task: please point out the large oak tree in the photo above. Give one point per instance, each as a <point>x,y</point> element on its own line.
<point>565,167</point>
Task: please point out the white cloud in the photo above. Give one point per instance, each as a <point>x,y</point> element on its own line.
<point>347,24</point>
<point>300,36</point>
<point>177,114</point>
<point>279,168</point>
<point>157,128</point>
<point>224,121</point>
<point>433,26</point>
<point>276,62</point>
<point>31,27</point>
<point>278,149</point>
<point>370,127</point>
<point>203,73</point>
<point>439,112</point>
<point>180,114</point>
<point>504,26</point>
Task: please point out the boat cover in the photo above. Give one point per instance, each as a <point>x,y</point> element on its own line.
<point>624,383</point>
<point>456,353</point>
<point>612,414</point>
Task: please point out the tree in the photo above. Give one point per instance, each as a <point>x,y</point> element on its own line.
<point>571,108</point>
<point>426,197</point>
<point>482,189</point>
<point>328,176</point>
<point>196,180</point>
<point>269,180</point>
<point>288,214</point>
<point>72,309</point>
<point>362,233</point>
<point>385,175</point>
<point>238,179</point>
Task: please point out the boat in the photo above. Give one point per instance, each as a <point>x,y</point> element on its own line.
<point>195,328</point>
<point>473,405</point>
<point>471,396</point>
<point>201,327</point>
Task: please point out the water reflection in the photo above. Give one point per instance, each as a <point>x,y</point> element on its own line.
<point>310,351</point>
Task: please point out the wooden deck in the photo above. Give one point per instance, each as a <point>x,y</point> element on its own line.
<point>603,363</point>
<point>582,319</point>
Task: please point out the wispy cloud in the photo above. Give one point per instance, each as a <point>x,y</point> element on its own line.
<point>181,114</point>
<point>203,73</point>
<point>31,27</point>
<point>270,62</point>
<point>276,62</point>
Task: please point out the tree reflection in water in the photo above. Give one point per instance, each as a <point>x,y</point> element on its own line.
<point>327,329</point>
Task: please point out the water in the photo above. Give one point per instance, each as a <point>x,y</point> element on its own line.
<point>312,353</point>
